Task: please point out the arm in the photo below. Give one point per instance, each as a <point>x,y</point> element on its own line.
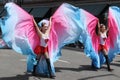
<point>48,31</point>
<point>98,28</point>
<point>37,29</point>
<point>107,28</point>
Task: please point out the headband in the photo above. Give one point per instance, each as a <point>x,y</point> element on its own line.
<point>43,21</point>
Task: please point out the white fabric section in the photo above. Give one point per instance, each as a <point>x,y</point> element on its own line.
<point>42,41</point>
<point>103,37</point>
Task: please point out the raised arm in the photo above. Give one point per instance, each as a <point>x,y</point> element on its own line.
<point>37,28</point>
<point>50,23</point>
<point>98,28</point>
<point>107,28</point>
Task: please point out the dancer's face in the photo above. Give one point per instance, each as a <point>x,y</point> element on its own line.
<point>102,28</point>
<point>44,28</point>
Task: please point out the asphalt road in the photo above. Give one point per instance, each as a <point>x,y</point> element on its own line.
<point>73,65</point>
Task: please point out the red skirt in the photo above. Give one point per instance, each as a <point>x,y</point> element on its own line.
<point>102,47</point>
<point>40,50</point>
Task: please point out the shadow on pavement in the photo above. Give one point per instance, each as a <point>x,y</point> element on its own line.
<point>98,76</point>
<point>81,68</point>
<point>117,61</point>
<point>115,64</point>
<point>20,77</point>
<point>17,77</point>
<point>74,49</point>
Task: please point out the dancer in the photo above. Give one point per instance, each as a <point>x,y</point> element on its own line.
<point>22,37</point>
<point>102,33</point>
<point>43,31</point>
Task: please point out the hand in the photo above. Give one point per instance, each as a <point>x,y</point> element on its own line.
<point>32,16</point>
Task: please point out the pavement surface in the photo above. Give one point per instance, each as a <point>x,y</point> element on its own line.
<point>73,65</point>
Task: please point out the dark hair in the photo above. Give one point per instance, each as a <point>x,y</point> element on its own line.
<point>43,24</point>
<point>101,25</point>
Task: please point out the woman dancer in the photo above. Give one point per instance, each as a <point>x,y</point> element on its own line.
<point>102,32</point>
<point>43,30</point>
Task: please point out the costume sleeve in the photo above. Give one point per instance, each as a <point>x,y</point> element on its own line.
<point>18,30</point>
<point>114,34</point>
<point>70,24</point>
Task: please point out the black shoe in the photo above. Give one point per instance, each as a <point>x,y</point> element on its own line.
<point>33,73</point>
<point>34,70</point>
<point>52,76</point>
<point>110,70</point>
